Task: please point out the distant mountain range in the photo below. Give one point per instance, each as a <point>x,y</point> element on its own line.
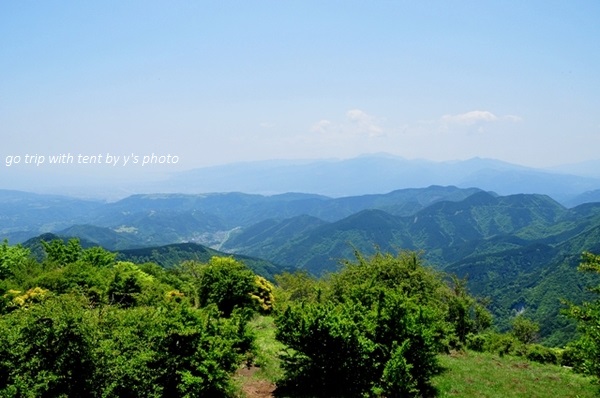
<point>381,173</point>
<point>156,219</point>
<point>368,174</point>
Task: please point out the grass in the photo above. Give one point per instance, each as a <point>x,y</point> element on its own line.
<point>267,349</point>
<point>472,374</point>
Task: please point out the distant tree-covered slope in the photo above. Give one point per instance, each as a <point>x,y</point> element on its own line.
<point>271,235</point>
<point>448,231</point>
<point>167,256</point>
<point>25,214</point>
<point>102,236</point>
<point>586,197</point>
<point>240,209</point>
<point>534,279</point>
<point>171,255</point>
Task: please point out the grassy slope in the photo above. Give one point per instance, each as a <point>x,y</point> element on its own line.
<point>472,374</point>
<point>465,375</point>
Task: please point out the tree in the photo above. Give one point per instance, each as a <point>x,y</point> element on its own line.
<point>97,257</point>
<point>127,283</point>
<point>363,279</point>
<point>465,313</point>
<point>47,350</point>
<point>227,283</point>
<point>263,294</point>
<point>296,287</point>
<point>588,317</point>
<point>11,257</point>
<point>524,329</point>
<point>376,331</point>
<point>59,253</point>
<point>190,273</point>
<point>142,338</point>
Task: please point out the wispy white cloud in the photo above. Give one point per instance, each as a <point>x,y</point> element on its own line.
<point>364,122</point>
<point>322,126</point>
<point>469,118</point>
<point>357,123</point>
<point>477,117</point>
<point>512,118</point>
<point>351,133</point>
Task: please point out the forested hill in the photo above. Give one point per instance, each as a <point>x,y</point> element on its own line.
<point>172,255</point>
<point>167,256</point>
<point>447,231</point>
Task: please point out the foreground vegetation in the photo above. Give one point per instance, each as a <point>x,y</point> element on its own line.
<point>463,373</point>
<point>81,323</point>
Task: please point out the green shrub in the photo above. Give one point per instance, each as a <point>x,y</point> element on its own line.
<point>524,329</point>
<point>299,286</point>
<point>477,342</point>
<point>47,350</point>
<point>502,344</point>
<point>225,282</point>
<point>574,356</point>
<point>61,347</point>
<point>80,324</point>
<point>329,352</point>
<point>541,354</point>
<point>11,257</point>
<point>397,380</point>
<point>378,333</point>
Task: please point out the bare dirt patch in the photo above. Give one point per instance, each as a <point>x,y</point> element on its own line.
<point>253,387</point>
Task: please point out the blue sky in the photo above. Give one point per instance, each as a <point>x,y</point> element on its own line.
<point>215,82</point>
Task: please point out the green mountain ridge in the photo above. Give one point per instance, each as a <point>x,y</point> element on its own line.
<point>208,219</point>
<point>443,226</point>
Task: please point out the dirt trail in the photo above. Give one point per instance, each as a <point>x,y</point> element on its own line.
<point>253,387</point>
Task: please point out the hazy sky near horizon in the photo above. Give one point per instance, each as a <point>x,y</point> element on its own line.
<point>215,82</point>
